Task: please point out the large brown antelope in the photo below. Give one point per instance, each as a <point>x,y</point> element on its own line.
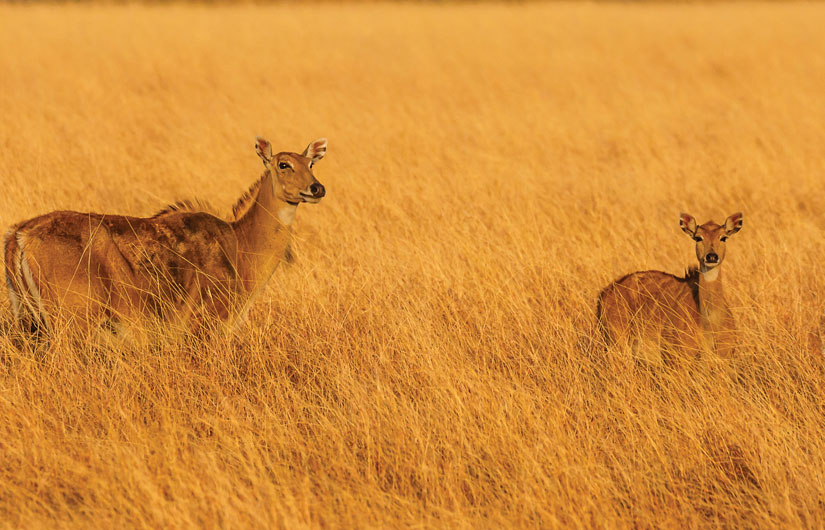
<point>654,312</point>
<point>177,266</point>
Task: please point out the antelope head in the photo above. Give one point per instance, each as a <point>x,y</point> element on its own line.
<point>292,173</point>
<point>710,238</point>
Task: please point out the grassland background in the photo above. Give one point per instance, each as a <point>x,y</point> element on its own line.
<point>430,358</point>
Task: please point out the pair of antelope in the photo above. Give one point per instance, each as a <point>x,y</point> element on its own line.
<point>185,264</point>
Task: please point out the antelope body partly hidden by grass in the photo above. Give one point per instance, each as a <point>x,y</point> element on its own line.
<point>179,266</point>
<point>653,312</point>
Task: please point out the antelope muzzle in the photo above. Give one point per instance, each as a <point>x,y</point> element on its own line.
<point>314,193</point>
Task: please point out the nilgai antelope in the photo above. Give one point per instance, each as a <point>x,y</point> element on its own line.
<point>654,312</point>
<point>178,266</point>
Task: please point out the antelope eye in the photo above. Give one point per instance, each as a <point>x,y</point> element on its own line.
<point>697,238</point>
<point>283,165</point>
<point>723,238</point>
<point>311,164</point>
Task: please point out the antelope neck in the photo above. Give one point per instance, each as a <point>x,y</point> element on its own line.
<point>267,209</point>
<point>711,296</point>
<point>263,234</point>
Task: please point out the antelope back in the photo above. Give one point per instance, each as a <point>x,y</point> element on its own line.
<point>91,266</point>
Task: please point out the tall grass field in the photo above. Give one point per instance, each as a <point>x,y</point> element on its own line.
<point>431,357</point>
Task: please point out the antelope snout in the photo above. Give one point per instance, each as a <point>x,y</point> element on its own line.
<point>711,257</point>
<point>317,190</point>
<point>313,193</point>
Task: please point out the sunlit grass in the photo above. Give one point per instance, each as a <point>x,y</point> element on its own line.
<point>431,357</point>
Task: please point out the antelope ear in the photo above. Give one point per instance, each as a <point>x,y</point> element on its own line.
<point>688,224</point>
<point>316,150</point>
<point>733,223</point>
<point>264,149</point>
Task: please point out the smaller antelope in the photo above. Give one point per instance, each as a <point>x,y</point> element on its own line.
<point>177,266</point>
<point>652,311</point>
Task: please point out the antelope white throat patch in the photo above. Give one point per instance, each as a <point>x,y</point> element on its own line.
<point>711,275</point>
<point>287,213</point>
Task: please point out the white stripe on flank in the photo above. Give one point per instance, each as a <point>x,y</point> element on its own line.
<point>18,262</point>
<point>13,296</point>
<point>15,300</point>
<point>34,291</point>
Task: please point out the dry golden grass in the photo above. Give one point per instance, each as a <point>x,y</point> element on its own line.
<point>431,358</point>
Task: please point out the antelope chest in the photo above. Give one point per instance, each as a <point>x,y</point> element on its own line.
<point>713,317</point>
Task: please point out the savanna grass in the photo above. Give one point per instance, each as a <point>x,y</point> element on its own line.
<point>431,358</point>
